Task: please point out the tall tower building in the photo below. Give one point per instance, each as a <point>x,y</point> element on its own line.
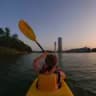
<point>59,44</point>
<point>55,46</point>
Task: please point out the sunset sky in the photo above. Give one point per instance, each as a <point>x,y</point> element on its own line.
<point>73,20</point>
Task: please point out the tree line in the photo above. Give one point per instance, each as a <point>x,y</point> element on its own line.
<point>5,32</point>
<point>12,41</point>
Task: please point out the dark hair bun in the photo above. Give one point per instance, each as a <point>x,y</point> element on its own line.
<point>51,60</point>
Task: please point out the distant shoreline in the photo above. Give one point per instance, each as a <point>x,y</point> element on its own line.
<point>60,52</point>
<point>12,51</point>
<point>75,50</point>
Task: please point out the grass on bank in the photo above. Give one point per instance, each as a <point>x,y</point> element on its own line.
<point>10,51</point>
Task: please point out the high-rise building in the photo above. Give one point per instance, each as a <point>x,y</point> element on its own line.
<point>59,44</point>
<point>55,46</point>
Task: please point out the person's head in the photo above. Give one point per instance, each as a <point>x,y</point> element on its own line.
<point>51,61</point>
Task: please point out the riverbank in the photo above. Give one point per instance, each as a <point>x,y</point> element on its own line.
<point>10,51</point>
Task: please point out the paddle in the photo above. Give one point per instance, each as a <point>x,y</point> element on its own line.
<point>28,32</point>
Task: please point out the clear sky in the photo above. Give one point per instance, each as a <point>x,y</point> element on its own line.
<point>73,20</point>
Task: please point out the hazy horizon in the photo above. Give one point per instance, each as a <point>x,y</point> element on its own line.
<point>73,20</point>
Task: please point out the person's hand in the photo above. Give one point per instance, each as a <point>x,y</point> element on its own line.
<point>45,54</point>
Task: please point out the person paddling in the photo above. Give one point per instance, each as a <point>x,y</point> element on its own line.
<point>49,67</point>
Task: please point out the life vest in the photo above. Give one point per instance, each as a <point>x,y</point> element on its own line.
<point>48,82</point>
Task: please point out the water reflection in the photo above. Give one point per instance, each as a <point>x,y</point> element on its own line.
<point>60,59</point>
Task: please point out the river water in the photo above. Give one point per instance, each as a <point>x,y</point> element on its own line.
<point>17,73</point>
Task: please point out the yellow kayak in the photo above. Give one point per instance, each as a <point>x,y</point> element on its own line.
<point>63,91</point>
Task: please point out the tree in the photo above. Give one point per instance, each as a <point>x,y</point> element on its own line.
<point>7,32</point>
<point>1,32</point>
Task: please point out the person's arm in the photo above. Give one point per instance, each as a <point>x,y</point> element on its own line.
<point>63,75</point>
<point>36,62</point>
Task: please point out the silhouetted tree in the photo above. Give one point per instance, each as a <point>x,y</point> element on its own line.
<point>7,32</point>
<point>1,32</point>
<point>12,41</point>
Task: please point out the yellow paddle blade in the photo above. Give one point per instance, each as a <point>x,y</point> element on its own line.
<point>26,30</point>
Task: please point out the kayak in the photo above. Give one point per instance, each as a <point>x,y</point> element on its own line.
<point>63,91</point>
